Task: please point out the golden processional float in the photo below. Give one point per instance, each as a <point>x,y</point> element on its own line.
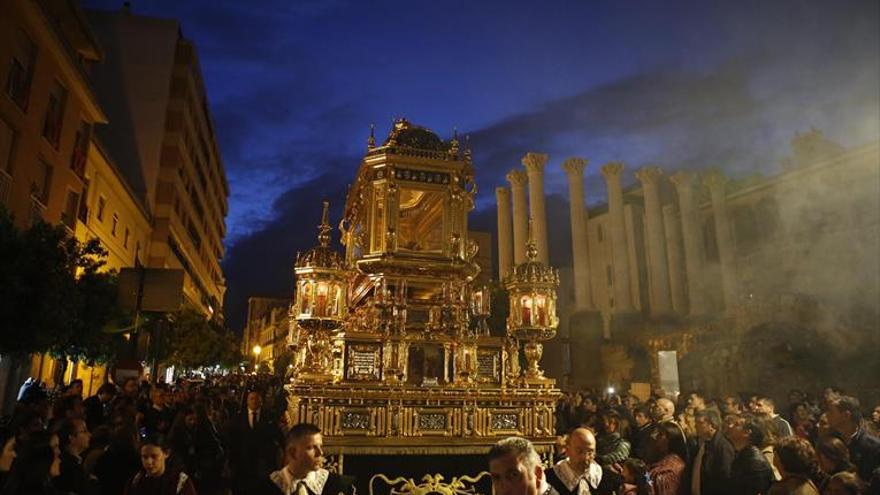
<point>392,352</point>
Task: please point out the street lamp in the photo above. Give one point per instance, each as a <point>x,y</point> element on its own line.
<point>257,350</point>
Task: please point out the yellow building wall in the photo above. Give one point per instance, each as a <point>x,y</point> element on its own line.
<point>107,188</point>
<point>52,64</point>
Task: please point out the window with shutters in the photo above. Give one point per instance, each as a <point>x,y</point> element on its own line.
<point>54,113</point>
<point>83,213</point>
<point>21,69</point>
<point>68,216</point>
<point>42,181</point>
<point>80,149</point>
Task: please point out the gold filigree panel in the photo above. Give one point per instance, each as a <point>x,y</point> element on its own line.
<point>430,484</point>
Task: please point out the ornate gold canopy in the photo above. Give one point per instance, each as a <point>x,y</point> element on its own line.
<point>411,365</point>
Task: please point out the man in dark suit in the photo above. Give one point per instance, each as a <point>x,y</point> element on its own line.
<point>750,473</point>
<point>303,474</point>
<point>714,456</point>
<point>845,417</point>
<point>96,406</point>
<point>255,444</point>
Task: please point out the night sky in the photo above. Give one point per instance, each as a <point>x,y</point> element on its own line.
<point>294,86</point>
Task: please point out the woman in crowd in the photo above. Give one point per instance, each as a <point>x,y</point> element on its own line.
<point>668,472</point>
<point>833,457</point>
<point>197,448</point>
<point>823,427</point>
<point>844,483</point>
<point>38,461</point>
<point>796,461</point>
<point>120,460</point>
<point>802,421</point>
<point>767,445</point>
<point>156,476</point>
<point>636,480</point>
<point>611,448</point>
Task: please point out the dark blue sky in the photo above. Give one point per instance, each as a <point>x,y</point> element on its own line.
<point>294,86</point>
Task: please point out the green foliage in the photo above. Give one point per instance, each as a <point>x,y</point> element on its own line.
<point>53,297</point>
<point>189,340</point>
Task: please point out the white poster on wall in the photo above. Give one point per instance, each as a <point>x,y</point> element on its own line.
<point>668,363</point>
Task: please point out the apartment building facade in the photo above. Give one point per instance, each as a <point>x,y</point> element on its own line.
<point>151,85</point>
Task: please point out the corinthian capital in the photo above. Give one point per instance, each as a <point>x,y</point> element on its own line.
<point>683,180</point>
<point>612,170</point>
<point>517,178</point>
<point>649,175</point>
<point>534,162</point>
<point>574,166</point>
<point>715,181</point>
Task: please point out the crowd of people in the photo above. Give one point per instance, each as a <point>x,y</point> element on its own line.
<point>213,437</point>
<point>727,446</point>
<point>229,436</point>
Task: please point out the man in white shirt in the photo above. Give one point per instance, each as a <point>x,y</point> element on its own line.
<point>578,473</point>
<point>303,474</point>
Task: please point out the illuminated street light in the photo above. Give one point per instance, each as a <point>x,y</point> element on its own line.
<point>257,350</point>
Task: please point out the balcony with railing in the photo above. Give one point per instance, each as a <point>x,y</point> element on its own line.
<point>38,210</point>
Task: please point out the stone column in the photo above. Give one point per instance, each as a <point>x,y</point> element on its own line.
<point>671,225</point>
<point>518,180</point>
<point>534,163</point>
<point>659,288</point>
<point>617,226</point>
<point>693,241</point>
<point>716,184</point>
<point>574,169</point>
<point>505,236</point>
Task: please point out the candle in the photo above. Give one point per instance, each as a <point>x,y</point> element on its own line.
<point>321,300</point>
<point>526,303</point>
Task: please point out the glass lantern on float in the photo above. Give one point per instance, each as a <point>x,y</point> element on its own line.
<point>319,308</point>
<point>532,290</point>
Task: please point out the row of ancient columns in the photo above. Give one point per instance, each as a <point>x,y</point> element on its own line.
<point>668,289</point>
<point>533,177</point>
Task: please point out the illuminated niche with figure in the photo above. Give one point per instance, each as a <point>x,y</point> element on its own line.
<point>391,337</point>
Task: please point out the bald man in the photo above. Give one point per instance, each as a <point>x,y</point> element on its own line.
<point>664,412</point>
<point>579,474</point>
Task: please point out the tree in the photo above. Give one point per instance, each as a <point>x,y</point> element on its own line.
<point>189,340</point>
<point>54,296</point>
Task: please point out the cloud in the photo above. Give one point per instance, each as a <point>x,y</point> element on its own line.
<point>260,263</point>
<point>794,70</point>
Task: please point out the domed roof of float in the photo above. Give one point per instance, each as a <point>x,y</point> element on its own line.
<point>321,256</point>
<point>408,135</point>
